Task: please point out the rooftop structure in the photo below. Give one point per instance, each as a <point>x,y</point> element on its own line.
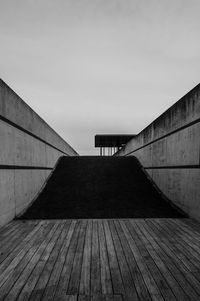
<point>111,142</point>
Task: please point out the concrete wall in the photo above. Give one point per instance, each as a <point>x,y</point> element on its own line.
<point>29,149</point>
<point>169,150</point>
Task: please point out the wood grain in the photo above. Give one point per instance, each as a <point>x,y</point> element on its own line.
<point>100,260</point>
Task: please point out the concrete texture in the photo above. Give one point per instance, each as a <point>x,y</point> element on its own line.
<point>169,149</point>
<point>96,187</point>
<point>13,108</point>
<point>29,149</point>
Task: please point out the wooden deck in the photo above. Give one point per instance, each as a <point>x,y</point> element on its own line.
<point>138,259</point>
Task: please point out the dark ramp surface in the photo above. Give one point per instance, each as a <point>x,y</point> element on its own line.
<point>99,187</point>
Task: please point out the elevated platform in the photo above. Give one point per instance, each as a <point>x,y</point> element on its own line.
<point>100,260</point>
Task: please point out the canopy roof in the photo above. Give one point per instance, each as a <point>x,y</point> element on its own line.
<point>112,140</point>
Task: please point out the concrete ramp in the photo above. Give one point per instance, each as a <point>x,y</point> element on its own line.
<point>99,187</point>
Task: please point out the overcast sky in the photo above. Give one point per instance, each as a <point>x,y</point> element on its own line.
<point>99,66</point>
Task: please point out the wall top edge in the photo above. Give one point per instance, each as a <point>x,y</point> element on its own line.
<point>184,111</point>
<point>177,103</point>
<point>4,85</point>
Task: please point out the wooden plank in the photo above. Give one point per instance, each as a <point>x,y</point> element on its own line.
<point>82,297</point>
<point>71,297</point>
<point>138,281</point>
<point>186,237</point>
<point>174,285</point>
<point>186,227</point>
<point>120,255</point>
<point>192,224</point>
<point>13,293</point>
<point>158,277</point>
<point>96,298</point>
<point>127,279</point>
<point>147,276</point>
<point>117,282</point>
<point>197,276</point>
<point>46,273</point>
<point>5,230</point>
<point>117,298</point>
<point>95,262</point>
<point>8,232</point>
<point>73,287</point>
<point>13,260</point>
<point>67,267</point>
<point>185,245</point>
<point>54,278</point>
<point>32,280</point>
<point>190,281</point>
<point>86,265</point>
<point>107,297</point>
<point>171,262</point>
<point>164,243</point>
<point>173,245</point>
<point>13,240</point>
<point>106,282</point>
<point>22,263</point>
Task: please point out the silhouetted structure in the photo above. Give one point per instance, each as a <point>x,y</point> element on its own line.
<point>99,187</point>
<point>112,142</point>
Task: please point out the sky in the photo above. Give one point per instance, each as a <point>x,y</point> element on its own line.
<point>99,66</point>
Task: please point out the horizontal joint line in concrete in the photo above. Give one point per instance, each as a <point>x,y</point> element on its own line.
<point>168,134</point>
<point>29,133</point>
<point>24,167</point>
<point>172,167</point>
